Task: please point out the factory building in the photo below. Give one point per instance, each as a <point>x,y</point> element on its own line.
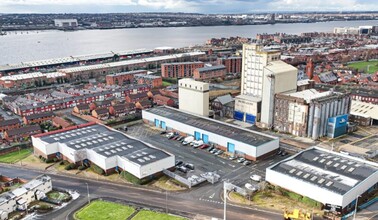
<point>105,147</point>
<point>263,75</point>
<point>308,113</point>
<point>194,96</point>
<point>232,139</point>
<point>336,180</point>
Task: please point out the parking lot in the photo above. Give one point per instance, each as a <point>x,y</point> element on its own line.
<point>204,161</point>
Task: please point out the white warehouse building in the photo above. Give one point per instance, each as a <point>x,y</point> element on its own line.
<point>109,149</point>
<point>331,178</point>
<point>235,140</point>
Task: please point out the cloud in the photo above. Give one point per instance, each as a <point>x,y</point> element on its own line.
<point>201,6</point>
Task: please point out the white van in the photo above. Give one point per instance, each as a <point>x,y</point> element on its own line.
<point>198,143</point>
<point>188,140</point>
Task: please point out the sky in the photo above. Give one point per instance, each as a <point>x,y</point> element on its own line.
<point>187,6</point>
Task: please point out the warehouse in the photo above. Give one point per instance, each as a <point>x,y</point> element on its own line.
<point>235,140</point>
<point>331,178</point>
<point>109,149</point>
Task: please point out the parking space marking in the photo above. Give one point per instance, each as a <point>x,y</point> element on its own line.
<point>212,196</point>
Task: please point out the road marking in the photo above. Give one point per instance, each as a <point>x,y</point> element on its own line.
<point>212,196</point>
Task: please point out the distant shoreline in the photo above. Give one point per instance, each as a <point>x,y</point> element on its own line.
<point>5,29</point>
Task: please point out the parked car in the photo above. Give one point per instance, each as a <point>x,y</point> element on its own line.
<point>163,132</point>
<point>180,138</point>
<point>183,169</point>
<point>188,140</point>
<point>232,157</point>
<point>213,151</point>
<point>204,146</point>
<point>189,166</point>
<point>250,187</point>
<point>210,148</point>
<point>170,134</point>
<point>178,163</point>
<point>246,163</point>
<point>173,137</point>
<point>256,178</point>
<point>240,160</point>
<point>198,143</point>
<point>219,152</point>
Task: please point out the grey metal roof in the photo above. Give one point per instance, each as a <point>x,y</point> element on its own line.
<point>225,99</point>
<point>213,126</point>
<point>107,143</point>
<point>211,68</point>
<point>326,169</point>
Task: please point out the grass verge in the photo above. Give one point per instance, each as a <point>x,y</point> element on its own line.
<point>102,210</point>
<point>151,215</point>
<point>366,66</point>
<point>16,156</point>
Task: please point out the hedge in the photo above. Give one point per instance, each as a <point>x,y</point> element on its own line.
<point>133,179</point>
<point>97,169</point>
<point>70,166</point>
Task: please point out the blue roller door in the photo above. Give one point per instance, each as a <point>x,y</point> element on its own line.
<point>197,135</point>
<point>157,123</point>
<point>238,115</point>
<point>163,125</point>
<point>205,138</point>
<point>250,118</point>
<point>230,147</point>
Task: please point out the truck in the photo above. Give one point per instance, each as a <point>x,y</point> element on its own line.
<point>188,140</point>
<point>297,214</point>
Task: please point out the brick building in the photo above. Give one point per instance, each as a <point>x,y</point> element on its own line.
<point>82,109</point>
<point>9,124</point>
<point>133,98</point>
<point>232,64</point>
<point>60,122</point>
<point>100,104</point>
<point>211,72</point>
<point>180,70</point>
<point>101,113</point>
<point>22,132</point>
<point>153,81</point>
<point>31,79</point>
<point>38,118</point>
<point>123,78</point>
<point>162,100</point>
<point>121,110</point>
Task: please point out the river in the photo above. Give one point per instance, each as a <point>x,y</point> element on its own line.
<point>32,45</point>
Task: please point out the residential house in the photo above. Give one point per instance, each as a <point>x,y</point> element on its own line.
<point>100,104</point>
<point>38,118</point>
<point>9,124</point>
<point>134,98</point>
<point>60,122</point>
<point>101,113</point>
<point>22,132</point>
<point>121,110</point>
<point>162,100</point>
<point>20,198</point>
<point>82,109</point>
<point>143,104</point>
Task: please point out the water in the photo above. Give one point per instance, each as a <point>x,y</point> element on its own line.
<point>30,46</point>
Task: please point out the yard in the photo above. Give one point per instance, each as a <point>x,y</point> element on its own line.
<point>16,156</point>
<point>150,215</point>
<point>366,66</point>
<point>104,210</point>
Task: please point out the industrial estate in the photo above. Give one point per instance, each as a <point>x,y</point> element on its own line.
<point>271,127</point>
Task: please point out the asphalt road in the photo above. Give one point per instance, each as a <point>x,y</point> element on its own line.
<point>177,202</point>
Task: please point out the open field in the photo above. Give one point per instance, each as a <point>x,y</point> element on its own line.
<point>368,67</point>
<point>16,156</point>
<point>150,215</point>
<point>102,210</point>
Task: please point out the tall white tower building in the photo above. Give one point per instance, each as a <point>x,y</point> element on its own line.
<point>263,75</point>
<point>194,96</point>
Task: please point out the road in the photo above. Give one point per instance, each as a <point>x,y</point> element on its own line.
<point>179,202</point>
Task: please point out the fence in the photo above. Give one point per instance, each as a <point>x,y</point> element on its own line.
<point>178,178</point>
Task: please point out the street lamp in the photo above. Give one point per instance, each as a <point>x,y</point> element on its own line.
<point>166,201</point>
<point>224,200</point>
<point>89,198</point>
<point>355,208</point>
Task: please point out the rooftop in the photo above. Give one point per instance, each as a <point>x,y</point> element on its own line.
<point>243,135</point>
<point>128,73</point>
<point>39,115</point>
<point>211,68</point>
<point>279,66</point>
<point>9,122</point>
<point>106,142</point>
<point>327,169</point>
<point>364,109</point>
<point>310,94</point>
<point>23,130</point>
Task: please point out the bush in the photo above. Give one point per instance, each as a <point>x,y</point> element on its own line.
<point>81,168</point>
<point>293,196</point>
<point>98,169</point>
<point>44,207</point>
<point>61,163</point>
<point>70,166</point>
<point>133,179</point>
<point>49,160</point>
<point>55,159</point>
